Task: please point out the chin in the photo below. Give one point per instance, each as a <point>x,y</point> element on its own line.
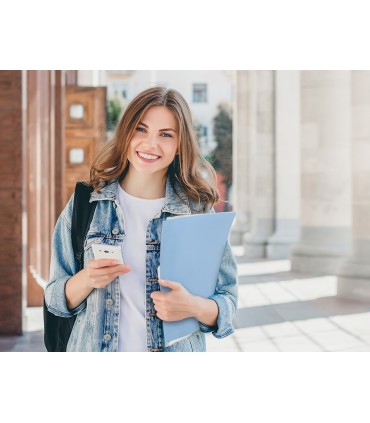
<point>146,170</point>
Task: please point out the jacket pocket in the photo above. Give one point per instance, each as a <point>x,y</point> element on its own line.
<point>93,239</point>
<point>197,342</point>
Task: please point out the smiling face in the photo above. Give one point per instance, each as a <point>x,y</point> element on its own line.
<point>155,142</point>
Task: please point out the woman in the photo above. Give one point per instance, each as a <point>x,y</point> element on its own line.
<point>150,170</point>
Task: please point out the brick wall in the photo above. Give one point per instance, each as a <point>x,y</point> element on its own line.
<point>10,202</point>
<point>31,175</point>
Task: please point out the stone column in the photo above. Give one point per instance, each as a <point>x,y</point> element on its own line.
<point>262,167</point>
<point>287,159</point>
<point>88,78</point>
<point>243,129</point>
<point>354,273</point>
<point>326,172</point>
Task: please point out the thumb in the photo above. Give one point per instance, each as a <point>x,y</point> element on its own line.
<point>127,268</point>
<point>169,284</point>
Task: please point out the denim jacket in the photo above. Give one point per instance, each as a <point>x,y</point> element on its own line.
<point>96,326</point>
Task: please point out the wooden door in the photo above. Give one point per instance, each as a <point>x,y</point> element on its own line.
<point>84,132</point>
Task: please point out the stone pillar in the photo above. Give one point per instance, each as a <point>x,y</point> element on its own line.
<point>287,122</point>
<point>325,237</point>
<point>261,166</point>
<point>354,273</point>
<point>88,78</point>
<point>243,129</point>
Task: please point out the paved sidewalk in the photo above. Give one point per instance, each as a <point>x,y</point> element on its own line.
<point>279,310</point>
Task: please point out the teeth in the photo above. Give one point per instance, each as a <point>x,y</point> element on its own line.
<point>147,156</point>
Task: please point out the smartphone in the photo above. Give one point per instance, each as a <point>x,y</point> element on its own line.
<point>103,251</point>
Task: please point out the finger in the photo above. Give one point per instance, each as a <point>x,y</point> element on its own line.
<point>169,284</point>
<point>121,269</point>
<point>104,280</point>
<point>110,269</point>
<point>159,311</point>
<point>159,316</point>
<point>103,271</point>
<point>157,296</point>
<point>96,264</point>
<point>162,317</point>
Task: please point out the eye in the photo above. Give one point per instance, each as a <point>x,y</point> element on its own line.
<point>167,135</point>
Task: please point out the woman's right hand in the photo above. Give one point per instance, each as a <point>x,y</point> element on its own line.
<point>100,273</point>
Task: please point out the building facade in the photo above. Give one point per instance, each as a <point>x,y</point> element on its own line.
<point>301,169</point>
<point>31,193</point>
<point>204,90</point>
<point>302,174</point>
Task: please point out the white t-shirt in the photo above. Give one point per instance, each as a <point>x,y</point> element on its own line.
<point>132,326</point>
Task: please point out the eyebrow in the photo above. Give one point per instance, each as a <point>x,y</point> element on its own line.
<point>165,129</point>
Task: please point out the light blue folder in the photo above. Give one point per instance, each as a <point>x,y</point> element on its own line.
<point>192,248</point>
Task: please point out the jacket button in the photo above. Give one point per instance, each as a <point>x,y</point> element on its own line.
<point>115,231</point>
<point>107,337</point>
<point>109,302</point>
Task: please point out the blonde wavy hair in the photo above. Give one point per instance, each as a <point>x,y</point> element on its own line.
<point>196,177</point>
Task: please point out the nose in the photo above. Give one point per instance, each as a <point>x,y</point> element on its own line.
<point>151,142</point>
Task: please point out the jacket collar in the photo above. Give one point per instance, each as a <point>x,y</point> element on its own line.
<point>171,205</point>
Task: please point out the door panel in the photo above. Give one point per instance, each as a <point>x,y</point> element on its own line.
<point>84,132</point>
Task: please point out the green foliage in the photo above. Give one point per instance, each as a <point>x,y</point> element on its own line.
<point>209,158</point>
<point>223,135</point>
<point>198,128</point>
<point>114,110</point>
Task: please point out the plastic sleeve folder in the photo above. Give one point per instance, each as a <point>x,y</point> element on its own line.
<point>192,249</point>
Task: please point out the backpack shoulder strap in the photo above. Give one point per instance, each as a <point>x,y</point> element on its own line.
<point>82,214</point>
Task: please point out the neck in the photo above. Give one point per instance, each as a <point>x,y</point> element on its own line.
<point>144,186</point>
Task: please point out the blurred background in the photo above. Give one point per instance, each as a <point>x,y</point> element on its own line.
<point>292,155</point>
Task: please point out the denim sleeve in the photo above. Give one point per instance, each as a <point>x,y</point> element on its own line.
<point>62,266</point>
<point>225,296</point>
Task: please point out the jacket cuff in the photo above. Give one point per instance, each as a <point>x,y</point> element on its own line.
<point>58,303</point>
<point>224,326</point>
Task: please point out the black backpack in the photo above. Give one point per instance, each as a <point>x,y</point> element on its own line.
<point>57,330</point>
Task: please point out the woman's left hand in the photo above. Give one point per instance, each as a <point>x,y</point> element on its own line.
<point>176,304</point>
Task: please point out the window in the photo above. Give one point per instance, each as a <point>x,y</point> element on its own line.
<point>76,111</point>
<point>199,93</point>
<point>76,155</point>
<point>119,90</point>
<point>202,135</point>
